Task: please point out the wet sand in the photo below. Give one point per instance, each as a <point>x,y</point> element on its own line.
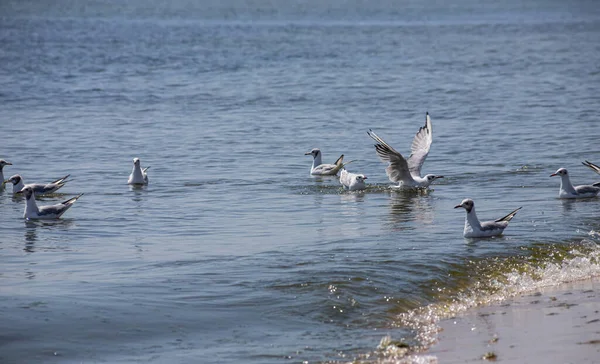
<point>559,324</point>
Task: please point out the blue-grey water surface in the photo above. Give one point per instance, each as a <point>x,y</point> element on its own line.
<point>233,253</point>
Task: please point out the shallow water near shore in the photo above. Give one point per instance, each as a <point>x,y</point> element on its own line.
<point>233,253</point>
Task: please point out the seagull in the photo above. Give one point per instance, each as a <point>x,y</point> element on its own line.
<point>39,188</point>
<point>476,229</point>
<point>594,167</point>
<point>407,173</point>
<point>567,190</point>
<point>2,164</point>
<point>138,175</point>
<point>320,169</point>
<point>32,211</point>
<point>351,181</point>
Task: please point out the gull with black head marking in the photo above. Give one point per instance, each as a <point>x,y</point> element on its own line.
<point>352,181</point>
<point>38,188</point>
<point>2,164</point>
<point>407,172</point>
<point>138,175</point>
<point>50,212</point>
<point>567,190</point>
<point>320,169</point>
<point>476,229</point>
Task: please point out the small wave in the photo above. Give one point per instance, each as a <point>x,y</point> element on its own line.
<point>497,279</point>
<point>484,282</point>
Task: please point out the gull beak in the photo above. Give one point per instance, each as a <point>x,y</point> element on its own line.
<point>365,177</point>
<point>458,206</point>
<point>307,153</point>
<point>19,192</point>
<point>553,174</point>
<point>436,177</point>
<point>8,163</point>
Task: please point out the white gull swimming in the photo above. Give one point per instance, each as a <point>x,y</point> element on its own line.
<point>476,229</point>
<point>33,212</point>
<point>567,190</point>
<point>407,173</point>
<point>138,175</point>
<point>38,188</point>
<point>320,169</point>
<point>351,181</point>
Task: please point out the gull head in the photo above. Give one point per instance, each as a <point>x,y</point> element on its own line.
<point>27,191</point>
<point>4,163</point>
<point>136,161</point>
<point>466,204</point>
<point>14,179</point>
<point>360,177</point>
<point>315,152</point>
<point>432,177</point>
<point>560,172</point>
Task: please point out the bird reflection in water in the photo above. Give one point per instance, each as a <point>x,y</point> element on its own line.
<point>32,226</point>
<point>30,236</point>
<point>408,206</point>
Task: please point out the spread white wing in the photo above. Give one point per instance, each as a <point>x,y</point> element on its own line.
<point>397,170</point>
<point>420,148</point>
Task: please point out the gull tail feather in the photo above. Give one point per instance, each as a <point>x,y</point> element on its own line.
<point>509,217</point>
<point>145,169</point>
<point>591,165</point>
<point>597,184</point>
<point>61,180</point>
<point>72,200</point>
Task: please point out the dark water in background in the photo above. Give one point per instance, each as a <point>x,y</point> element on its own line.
<point>233,253</point>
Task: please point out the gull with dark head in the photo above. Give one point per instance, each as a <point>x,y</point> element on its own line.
<point>407,173</point>
<point>351,181</point>
<point>567,190</point>
<point>2,164</point>
<point>320,169</point>
<point>33,212</point>
<point>38,188</point>
<point>476,229</point>
<point>138,175</point>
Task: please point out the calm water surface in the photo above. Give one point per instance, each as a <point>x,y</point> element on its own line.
<point>233,253</point>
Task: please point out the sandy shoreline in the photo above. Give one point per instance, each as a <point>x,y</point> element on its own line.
<point>559,324</point>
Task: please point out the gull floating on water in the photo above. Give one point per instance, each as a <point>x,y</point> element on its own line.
<point>567,190</point>
<point>32,211</point>
<point>407,173</point>
<point>138,175</point>
<point>351,181</point>
<point>476,229</point>
<point>320,169</point>
<point>39,188</point>
<point>2,164</point>
<point>594,167</point>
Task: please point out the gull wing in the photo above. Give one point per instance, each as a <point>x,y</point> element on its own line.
<point>585,189</point>
<point>594,167</point>
<point>345,178</point>
<point>420,147</point>
<point>59,209</point>
<point>397,170</point>
<point>60,180</point>
<point>509,217</point>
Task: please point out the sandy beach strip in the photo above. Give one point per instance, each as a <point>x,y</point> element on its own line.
<point>558,324</point>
